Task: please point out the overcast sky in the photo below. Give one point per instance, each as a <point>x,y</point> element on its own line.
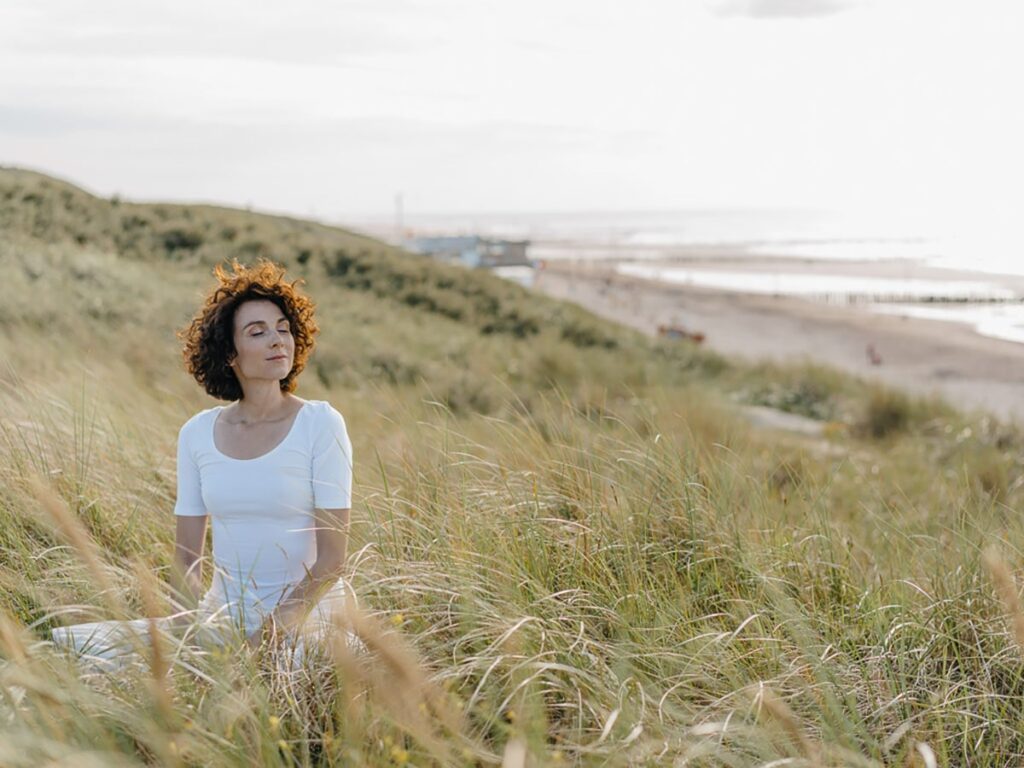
<point>331,108</point>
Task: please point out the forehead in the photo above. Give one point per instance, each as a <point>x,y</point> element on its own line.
<point>257,309</point>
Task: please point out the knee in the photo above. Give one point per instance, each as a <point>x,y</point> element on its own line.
<point>59,636</point>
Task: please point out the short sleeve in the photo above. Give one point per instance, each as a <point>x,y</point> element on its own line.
<point>189,501</point>
<point>332,462</point>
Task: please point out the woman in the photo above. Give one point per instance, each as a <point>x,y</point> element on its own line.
<point>273,472</point>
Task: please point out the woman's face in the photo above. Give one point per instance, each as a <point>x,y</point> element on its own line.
<point>264,343</point>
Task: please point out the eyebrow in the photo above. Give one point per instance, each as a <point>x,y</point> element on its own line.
<point>262,322</point>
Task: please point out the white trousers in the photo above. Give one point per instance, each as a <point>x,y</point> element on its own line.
<point>107,646</point>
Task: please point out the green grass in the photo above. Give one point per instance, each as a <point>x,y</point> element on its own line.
<point>578,551</point>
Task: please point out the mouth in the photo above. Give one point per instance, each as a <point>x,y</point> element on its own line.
<point>279,357</point>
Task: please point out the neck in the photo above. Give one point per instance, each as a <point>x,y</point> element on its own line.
<point>263,403</point>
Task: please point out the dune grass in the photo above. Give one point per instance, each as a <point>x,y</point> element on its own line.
<point>589,592</point>
<point>564,553</point>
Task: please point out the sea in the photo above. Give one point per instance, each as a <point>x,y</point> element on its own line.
<point>955,267</point>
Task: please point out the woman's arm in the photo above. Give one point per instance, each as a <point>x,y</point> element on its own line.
<point>190,524</point>
<point>331,552</point>
<point>186,571</point>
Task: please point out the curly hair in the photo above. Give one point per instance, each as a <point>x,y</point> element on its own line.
<point>209,338</point>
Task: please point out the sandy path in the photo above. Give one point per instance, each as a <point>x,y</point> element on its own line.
<point>922,356</point>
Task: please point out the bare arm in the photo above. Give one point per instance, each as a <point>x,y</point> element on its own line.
<point>186,571</point>
<point>331,552</point>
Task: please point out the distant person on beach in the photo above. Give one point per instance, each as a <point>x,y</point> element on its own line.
<point>272,472</point>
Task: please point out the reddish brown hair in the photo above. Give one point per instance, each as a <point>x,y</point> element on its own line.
<point>209,339</point>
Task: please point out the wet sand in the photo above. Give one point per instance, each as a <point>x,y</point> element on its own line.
<point>919,356</point>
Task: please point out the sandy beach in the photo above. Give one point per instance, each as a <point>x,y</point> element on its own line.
<point>920,356</point>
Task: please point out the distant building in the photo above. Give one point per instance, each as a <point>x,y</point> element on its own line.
<point>473,250</point>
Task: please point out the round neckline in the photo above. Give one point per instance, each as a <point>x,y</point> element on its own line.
<point>219,452</point>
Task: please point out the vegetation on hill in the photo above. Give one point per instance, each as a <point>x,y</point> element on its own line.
<point>569,547</point>
<point>55,212</point>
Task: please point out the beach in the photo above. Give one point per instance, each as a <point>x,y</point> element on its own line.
<point>921,356</point>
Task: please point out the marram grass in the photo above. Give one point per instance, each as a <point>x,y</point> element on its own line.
<point>568,545</point>
<point>546,589</point>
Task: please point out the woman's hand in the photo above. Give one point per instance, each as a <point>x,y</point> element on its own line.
<point>267,631</point>
<point>255,640</point>
<point>279,624</point>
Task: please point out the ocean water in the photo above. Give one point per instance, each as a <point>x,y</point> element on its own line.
<point>975,240</point>
<point>998,321</point>
<point>829,288</point>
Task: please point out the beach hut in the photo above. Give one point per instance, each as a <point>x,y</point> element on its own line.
<point>473,250</point>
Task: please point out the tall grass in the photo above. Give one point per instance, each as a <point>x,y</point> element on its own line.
<point>547,588</point>
<point>563,553</point>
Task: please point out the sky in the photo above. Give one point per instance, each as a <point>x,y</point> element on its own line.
<point>331,109</point>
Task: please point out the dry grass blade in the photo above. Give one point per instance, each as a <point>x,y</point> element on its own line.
<point>158,664</point>
<point>778,711</point>
<point>515,753</point>
<point>11,643</point>
<point>1002,577</point>
<point>404,687</point>
<point>921,756</point>
<point>75,534</point>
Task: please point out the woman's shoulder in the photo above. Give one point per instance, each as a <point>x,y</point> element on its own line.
<point>197,418</point>
<point>327,425</point>
<point>324,412</point>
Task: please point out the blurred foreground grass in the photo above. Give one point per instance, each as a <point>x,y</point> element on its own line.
<point>568,545</point>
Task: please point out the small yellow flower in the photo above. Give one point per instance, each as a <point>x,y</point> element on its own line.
<point>398,619</point>
<point>511,715</point>
<point>284,745</point>
<point>274,721</point>
<point>399,755</point>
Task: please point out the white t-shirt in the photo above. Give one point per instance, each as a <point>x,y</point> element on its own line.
<point>262,510</point>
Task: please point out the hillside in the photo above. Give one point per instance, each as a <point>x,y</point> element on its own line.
<point>53,212</point>
<point>568,541</point>
<point>406,318</point>
<point>113,259</point>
